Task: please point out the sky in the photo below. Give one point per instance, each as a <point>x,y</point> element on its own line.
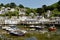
<point>31,3</point>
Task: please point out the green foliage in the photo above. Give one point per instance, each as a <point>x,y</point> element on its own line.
<point>12,5</point>
<point>21,6</point>
<point>1,4</point>
<point>28,11</point>
<point>58,6</point>
<point>50,8</point>
<point>55,13</point>
<point>40,11</point>
<point>59,2</point>
<point>2,14</point>
<point>54,5</point>
<point>0,39</point>
<point>7,5</point>
<point>33,10</point>
<point>44,8</point>
<point>9,14</point>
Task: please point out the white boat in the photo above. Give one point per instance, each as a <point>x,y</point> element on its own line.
<point>17,33</point>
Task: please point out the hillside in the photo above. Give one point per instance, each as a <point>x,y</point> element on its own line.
<point>56,11</point>
<point>54,5</point>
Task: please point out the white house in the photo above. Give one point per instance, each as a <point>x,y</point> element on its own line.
<point>22,18</point>
<point>48,13</point>
<point>22,11</point>
<point>11,21</point>
<point>43,20</point>
<point>2,20</point>
<point>12,9</point>
<point>2,10</point>
<point>32,21</point>
<point>31,14</point>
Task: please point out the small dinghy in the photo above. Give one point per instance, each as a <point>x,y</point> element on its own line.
<point>52,28</point>
<point>17,33</point>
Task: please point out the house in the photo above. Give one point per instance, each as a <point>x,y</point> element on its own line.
<point>2,11</point>
<point>32,21</point>
<point>11,21</point>
<point>2,20</point>
<point>42,20</point>
<point>57,20</point>
<point>31,14</point>
<point>48,13</point>
<point>22,11</point>
<point>22,18</point>
<point>12,9</point>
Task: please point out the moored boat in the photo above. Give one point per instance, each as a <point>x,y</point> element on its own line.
<point>17,33</point>
<point>52,28</point>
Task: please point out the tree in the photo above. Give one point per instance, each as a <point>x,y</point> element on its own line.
<point>12,5</point>
<point>40,11</point>
<point>50,8</point>
<point>44,8</point>
<point>1,4</point>
<point>21,6</point>
<point>27,8</point>
<point>59,2</point>
<point>15,13</point>
<point>7,5</point>
<point>58,6</point>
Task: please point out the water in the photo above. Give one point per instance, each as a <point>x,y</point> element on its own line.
<point>58,30</point>
<point>31,38</point>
